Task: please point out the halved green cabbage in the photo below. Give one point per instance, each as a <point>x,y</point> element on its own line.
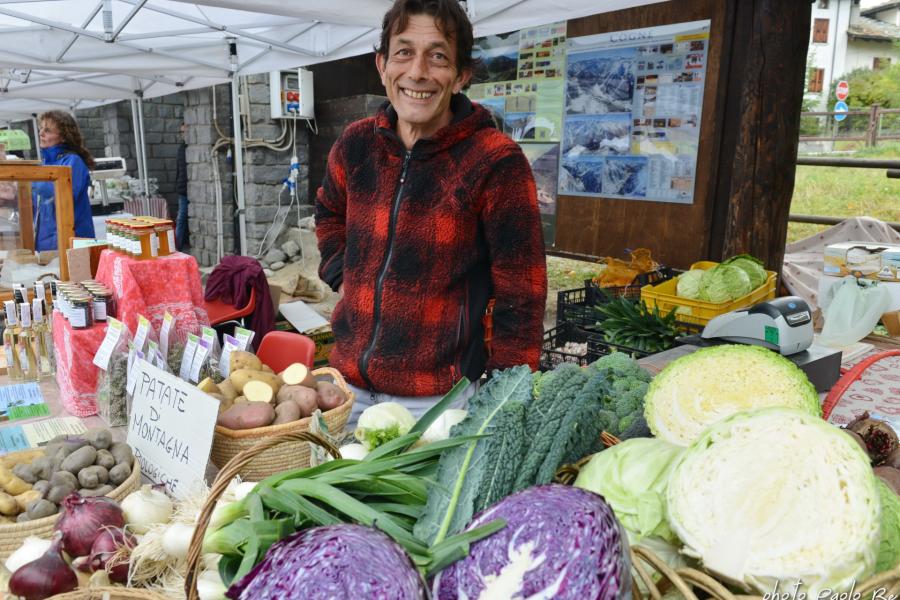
<point>776,495</point>
<point>889,549</point>
<point>710,384</point>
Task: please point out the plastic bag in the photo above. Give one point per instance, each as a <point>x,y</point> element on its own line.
<point>854,309</point>
<point>112,359</point>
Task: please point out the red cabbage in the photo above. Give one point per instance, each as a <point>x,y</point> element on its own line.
<point>559,542</point>
<point>338,561</point>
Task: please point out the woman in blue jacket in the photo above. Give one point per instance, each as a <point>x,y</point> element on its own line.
<point>62,145</point>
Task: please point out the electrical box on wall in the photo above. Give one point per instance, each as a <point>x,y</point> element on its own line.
<point>291,94</point>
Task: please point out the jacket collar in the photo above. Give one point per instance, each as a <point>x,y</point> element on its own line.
<point>468,118</point>
<point>53,152</point>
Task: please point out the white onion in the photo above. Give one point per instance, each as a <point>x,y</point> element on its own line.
<point>177,539</point>
<point>210,586</point>
<point>146,507</point>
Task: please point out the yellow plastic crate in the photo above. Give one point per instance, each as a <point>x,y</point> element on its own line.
<point>665,297</point>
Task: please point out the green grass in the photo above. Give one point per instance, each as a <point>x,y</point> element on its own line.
<point>843,192</point>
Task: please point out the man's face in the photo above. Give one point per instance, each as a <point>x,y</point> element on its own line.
<point>420,75</point>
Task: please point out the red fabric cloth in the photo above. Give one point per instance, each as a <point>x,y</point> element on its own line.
<point>152,287</point>
<point>76,374</point>
<point>231,282</point>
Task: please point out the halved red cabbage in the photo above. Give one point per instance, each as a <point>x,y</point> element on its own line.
<point>559,542</point>
<point>337,561</point>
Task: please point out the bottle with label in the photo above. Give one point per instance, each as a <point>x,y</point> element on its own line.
<point>13,368</point>
<point>27,358</point>
<point>43,341</point>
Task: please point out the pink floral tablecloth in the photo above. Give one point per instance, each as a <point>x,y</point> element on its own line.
<point>76,374</point>
<point>153,287</point>
<point>876,391</point>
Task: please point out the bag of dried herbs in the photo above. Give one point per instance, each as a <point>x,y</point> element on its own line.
<point>112,359</point>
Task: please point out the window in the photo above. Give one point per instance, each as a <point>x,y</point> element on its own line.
<point>820,31</point>
<point>823,4</point>
<point>881,62</point>
<point>816,80</point>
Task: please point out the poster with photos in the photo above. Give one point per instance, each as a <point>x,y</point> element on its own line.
<point>633,101</point>
<point>544,161</point>
<point>519,78</point>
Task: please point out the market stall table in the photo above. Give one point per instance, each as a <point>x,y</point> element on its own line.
<point>76,374</point>
<point>153,287</point>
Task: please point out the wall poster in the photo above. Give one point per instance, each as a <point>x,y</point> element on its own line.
<point>633,101</point>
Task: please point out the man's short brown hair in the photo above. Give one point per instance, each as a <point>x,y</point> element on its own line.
<point>449,17</point>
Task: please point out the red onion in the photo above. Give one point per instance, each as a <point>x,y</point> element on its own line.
<point>47,576</point>
<point>109,544</point>
<point>83,519</point>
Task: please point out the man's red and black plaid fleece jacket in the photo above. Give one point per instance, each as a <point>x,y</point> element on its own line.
<point>421,240</point>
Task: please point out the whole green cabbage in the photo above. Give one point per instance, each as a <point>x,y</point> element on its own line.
<point>633,476</point>
<point>752,266</point>
<point>688,285</point>
<point>889,548</point>
<point>723,283</point>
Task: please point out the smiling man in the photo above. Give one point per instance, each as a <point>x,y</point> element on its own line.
<point>428,225</point>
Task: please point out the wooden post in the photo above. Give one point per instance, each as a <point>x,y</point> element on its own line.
<point>872,131</point>
<point>26,216</point>
<point>761,128</point>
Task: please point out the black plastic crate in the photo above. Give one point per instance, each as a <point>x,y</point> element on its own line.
<point>553,351</point>
<point>598,295</point>
<point>573,307</point>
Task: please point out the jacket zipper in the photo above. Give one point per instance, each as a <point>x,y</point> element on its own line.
<point>462,338</point>
<point>379,281</point>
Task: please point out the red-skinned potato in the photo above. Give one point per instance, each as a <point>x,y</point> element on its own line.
<point>330,395</point>
<point>306,399</point>
<point>248,415</point>
<point>286,412</point>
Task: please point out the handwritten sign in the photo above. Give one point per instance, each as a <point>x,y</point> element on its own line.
<point>171,429</point>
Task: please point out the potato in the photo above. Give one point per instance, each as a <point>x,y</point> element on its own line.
<point>267,369</point>
<point>26,498</point>
<point>93,477</point>
<point>247,416</point>
<point>209,386</point>
<point>226,388</point>
<point>41,509</point>
<point>45,466</point>
<point>240,400</point>
<point>80,459</point>
<point>242,377</point>
<point>99,438</point>
<point>12,484</point>
<point>330,395</point>
<point>119,473</point>
<point>105,459</point>
<point>42,486</point>
<point>258,391</point>
<point>225,404</point>
<point>220,398</point>
<point>25,473</point>
<point>306,399</point>
<point>122,453</point>
<point>8,505</point>
<point>240,359</point>
<point>298,374</point>
<point>100,491</point>
<point>286,412</point>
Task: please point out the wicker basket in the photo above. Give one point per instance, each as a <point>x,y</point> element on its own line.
<point>227,443</point>
<point>658,578</point>
<point>109,593</point>
<point>13,534</point>
<point>234,467</point>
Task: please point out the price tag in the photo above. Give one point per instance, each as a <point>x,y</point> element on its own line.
<point>143,328</point>
<point>104,353</point>
<point>187,359</point>
<point>161,361</point>
<point>168,321</point>
<point>244,336</point>
<point>133,370</point>
<point>152,349</point>
<point>231,344</point>
<point>200,355</point>
<point>209,334</point>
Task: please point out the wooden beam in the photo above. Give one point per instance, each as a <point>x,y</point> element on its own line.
<point>26,217</point>
<point>760,130</point>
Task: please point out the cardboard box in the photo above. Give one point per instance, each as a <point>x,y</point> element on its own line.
<point>863,260</point>
<point>323,337</point>
<point>891,320</point>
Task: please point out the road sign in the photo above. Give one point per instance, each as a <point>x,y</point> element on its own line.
<point>840,108</point>
<point>842,90</point>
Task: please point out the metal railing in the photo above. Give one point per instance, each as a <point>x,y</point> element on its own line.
<point>873,132</point>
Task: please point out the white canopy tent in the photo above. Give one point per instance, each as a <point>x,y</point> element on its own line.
<point>82,53</point>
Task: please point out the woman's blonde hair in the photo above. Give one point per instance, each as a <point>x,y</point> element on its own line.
<point>69,132</point>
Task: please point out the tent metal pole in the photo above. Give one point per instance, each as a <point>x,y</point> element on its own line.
<point>37,138</point>
<point>238,164</point>
<point>138,147</point>
<point>146,200</point>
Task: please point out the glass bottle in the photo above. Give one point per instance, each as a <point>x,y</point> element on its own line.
<point>13,368</point>
<point>43,341</point>
<point>27,357</point>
